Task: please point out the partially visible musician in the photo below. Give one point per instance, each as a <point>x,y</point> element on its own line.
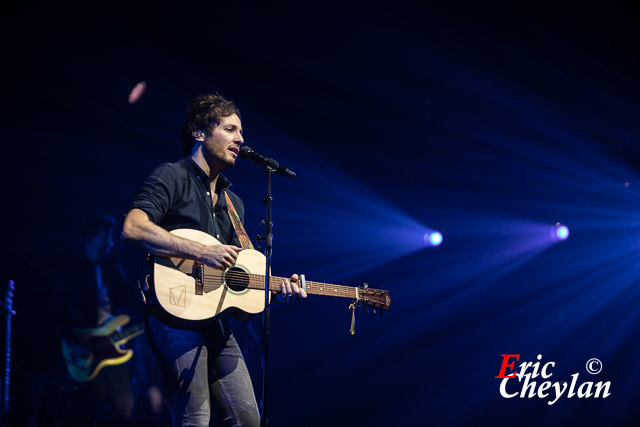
<point>206,379</point>
<point>91,290</point>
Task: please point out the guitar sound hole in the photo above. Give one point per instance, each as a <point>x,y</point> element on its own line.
<point>236,279</point>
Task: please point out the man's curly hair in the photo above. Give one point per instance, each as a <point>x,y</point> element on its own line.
<point>204,113</point>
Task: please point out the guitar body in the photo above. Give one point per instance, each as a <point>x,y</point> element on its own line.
<point>84,361</point>
<point>191,291</point>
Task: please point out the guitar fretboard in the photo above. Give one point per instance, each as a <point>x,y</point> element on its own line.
<point>312,288</point>
<point>256,281</point>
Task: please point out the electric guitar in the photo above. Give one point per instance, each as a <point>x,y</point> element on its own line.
<point>192,291</point>
<point>84,361</point>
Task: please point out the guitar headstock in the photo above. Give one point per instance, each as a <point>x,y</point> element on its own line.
<point>374,297</point>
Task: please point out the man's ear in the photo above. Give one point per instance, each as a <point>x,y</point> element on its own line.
<point>198,135</point>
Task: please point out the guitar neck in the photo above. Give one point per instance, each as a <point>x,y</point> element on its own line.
<point>127,334</point>
<point>312,288</point>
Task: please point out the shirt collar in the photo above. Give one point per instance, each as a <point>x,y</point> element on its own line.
<point>222,183</point>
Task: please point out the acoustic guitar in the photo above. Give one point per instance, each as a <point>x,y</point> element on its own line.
<point>192,291</point>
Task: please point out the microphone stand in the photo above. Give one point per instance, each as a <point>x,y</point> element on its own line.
<point>271,166</point>
<point>5,407</point>
<point>266,314</point>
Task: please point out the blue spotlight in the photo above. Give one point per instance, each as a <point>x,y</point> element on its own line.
<point>560,232</point>
<point>433,238</point>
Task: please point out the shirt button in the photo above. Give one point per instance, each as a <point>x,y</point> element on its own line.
<point>208,194</point>
<point>217,236</point>
<point>214,214</point>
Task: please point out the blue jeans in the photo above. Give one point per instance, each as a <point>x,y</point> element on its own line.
<point>205,377</point>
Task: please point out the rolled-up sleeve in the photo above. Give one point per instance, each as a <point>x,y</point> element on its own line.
<point>158,193</point>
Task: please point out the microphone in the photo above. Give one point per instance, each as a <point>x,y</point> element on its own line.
<point>269,164</point>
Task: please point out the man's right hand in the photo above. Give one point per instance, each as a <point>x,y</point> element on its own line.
<point>220,256</point>
<point>139,230</point>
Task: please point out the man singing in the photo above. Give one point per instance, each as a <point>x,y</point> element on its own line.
<point>205,376</point>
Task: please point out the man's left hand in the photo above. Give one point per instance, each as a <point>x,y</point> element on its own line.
<point>290,292</point>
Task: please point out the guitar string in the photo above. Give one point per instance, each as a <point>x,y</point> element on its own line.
<point>314,289</point>
<point>259,279</point>
<point>318,288</point>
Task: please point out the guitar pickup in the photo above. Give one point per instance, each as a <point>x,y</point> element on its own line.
<point>199,275</point>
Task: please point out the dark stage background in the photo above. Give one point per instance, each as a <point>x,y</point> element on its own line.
<point>489,124</point>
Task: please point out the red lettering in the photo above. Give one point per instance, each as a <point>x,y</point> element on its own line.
<point>505,365</point>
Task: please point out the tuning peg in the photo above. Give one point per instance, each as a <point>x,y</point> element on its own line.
<point>381,313</point>
<point>374,311</point>
<point>365,285</point>
<point>365,309</point>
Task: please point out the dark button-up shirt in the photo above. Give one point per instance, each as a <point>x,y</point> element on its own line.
<point>178,195</point>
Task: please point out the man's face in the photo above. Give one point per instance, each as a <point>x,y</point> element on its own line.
<point>222,144</point>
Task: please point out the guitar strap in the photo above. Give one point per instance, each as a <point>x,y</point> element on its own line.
<point>245,241</point>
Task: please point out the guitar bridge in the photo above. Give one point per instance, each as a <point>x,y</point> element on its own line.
<point>199,274</point>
